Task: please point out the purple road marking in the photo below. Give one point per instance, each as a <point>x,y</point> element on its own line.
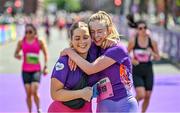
<point>165,96</point>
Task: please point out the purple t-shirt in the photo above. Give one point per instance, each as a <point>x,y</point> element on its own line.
<point>70,78</point>
<point>92,56</point>
<point>120,54</point>
<point>63,73</point>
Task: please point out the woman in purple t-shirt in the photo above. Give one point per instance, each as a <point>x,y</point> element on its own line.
<point>113,65</point>
<point>65,83</point>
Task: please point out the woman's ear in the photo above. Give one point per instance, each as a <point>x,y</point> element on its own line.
<point>70,44</point>
<point>109,30</point>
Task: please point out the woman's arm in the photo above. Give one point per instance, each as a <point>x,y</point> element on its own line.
<point>155,51</point>
<point>130,48</point>
<point>18,49</point>
<point>44,50</point>
<point>98,65</point>
<point>45,53</point>
<point>106,44</point>
<point>130,44</point>
<point>60,94</point>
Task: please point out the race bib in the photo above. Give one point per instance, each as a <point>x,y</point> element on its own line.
<point>32,58</point>
<point>142,55</point>
<point>105,88</point>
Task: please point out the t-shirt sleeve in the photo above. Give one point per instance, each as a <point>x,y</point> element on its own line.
<point>117,53</point>
<point>61,69</point>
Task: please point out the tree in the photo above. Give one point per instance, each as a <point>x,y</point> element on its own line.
<point>72,5</point>
<point>68,5</point>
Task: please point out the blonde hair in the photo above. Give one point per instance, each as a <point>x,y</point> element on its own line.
<point>102,16</point>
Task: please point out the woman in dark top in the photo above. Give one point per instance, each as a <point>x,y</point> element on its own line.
<point>144,49</point>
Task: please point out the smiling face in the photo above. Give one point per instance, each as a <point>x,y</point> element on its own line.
<point>99,31</point>
<point>81,40</point>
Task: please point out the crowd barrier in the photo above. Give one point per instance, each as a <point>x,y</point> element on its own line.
<point>168,40</point>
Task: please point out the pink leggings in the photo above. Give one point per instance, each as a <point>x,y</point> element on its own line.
<point>57,106</point>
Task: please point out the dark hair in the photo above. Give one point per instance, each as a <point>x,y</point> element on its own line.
<point>32,26</point>
<point>75,25</point>
<point>134,24</point>
<point>131,23</point>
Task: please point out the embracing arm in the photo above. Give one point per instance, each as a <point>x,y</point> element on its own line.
<point>106,44</point>
<point>98,65</point>
<point>60,94</point>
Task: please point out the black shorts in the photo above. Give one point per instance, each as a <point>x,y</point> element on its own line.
<point>143,76</point>
<point>29,77</point>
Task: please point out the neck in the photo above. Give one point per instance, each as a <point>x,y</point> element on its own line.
<point>30,38</point>
<point>84,55</point>
<point>143,36</point>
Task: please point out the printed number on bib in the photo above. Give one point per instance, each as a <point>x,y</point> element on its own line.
<point>105,88</point>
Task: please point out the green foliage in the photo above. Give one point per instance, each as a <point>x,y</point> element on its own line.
<point>73,5</point>
<point>178,3</point>
<point>68,5</point>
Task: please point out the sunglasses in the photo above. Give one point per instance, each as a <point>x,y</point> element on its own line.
<point>141,28</point>
<point>29,32</point>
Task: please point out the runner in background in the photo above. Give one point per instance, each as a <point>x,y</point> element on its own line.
<point>47,30</point>
<point>61,23</point>
<point>143,48</point>
<point>30,46</point>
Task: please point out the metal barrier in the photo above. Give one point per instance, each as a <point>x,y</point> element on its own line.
<point>168,40</point>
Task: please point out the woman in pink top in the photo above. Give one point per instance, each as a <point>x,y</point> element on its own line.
<point>31,68</point>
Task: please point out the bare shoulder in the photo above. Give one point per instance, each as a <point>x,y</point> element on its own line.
<point>41,42</point>
<point>131,39</point>
<point>20,42</point>
<point>131,43</point>
<point>154,42</point>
